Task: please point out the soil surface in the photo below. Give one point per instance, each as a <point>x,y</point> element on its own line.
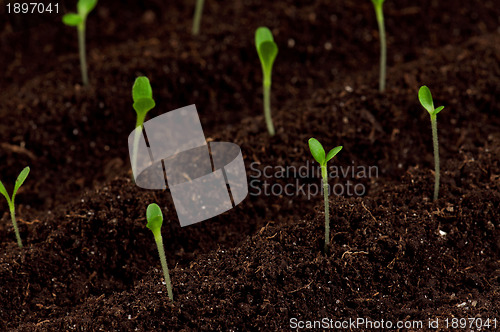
<point>90,264</point>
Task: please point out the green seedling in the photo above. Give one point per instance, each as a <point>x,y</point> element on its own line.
<point>319,155</point>
<point>197,16</point>
<point>425,97</point>
<point>155,220</point>
<point>267,50</point>
<point>142,95</point>
<point>10,200</point>
<point>383,45</point>
<point>84,7</point>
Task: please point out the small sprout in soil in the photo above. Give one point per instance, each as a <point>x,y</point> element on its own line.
<point>10,200</point>
<point>197,16</point>
<point>383,45</point>
<point>84,7</point>
<point>142,95</point>
<point>155,220</point>
<point>425,97</point>
<point>267,49</point>
<point>319,155</point>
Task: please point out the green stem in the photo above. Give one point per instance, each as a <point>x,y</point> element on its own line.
<point>137,136</point>
<point>383,47</point>
<point>163,260</point>
<point>267,107</point>
<point>436,155</point>
<point>197,16</point>
<point>327,207</point>
<point>83,60</point>
<point>14,222</point>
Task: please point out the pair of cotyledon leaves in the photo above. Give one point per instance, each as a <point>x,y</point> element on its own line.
<point>142,94</point>
<point>19,182</point>
<point>266,48</point>
<point>318,152</point>
<point>84,7</point>
<point>154,217</point>
<point>425,97</point>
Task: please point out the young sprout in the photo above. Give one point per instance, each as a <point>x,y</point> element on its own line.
<point>267,49</point>
<point>197,16</point>
<point>10,200</point>
<point>78,20</point>
<point>155,220</point>
<point>142,95</point>
<point>383,46</point>
<point>319,155</point>
<point>425,97</point>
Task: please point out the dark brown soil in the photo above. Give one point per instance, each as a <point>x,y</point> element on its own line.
<point>89,263</point>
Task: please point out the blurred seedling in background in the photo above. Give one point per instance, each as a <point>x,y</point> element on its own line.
<point>142,95</point>
<point>78,20</point>
<point>383,44</point>
<point>319,155</point>
<point>11,200</point>
<point>425,97</point>
<point>155,220</point>
<point>267,50</point>
<point>197,16</point>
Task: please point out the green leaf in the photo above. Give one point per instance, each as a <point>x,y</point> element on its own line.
<point>317,151</point>
<point>142,94</point>
<point>333,152</point>
<point>20,180</point>
<point>267,49</point>
<point>439,109</point>
<point>85,6</point>
<point>154,217</point>
<point>262,34</point>
<point>3,191</point>
<point>72,19</point>
<point>143,105</point>
<point>142,88</point>
<point>425,97</point>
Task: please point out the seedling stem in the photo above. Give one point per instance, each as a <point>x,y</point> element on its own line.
<point>425,97</point>
<point>267,50</point>
<point>383,45</point>
<point>142,95</point>
<point>78,20</point>
<point>83,57</point>
<point>197,16</point>
<point>163,260</point>
<point>155,221</point>
<point>327,205</point>
<point>11,201</point>
<point>14,223</point>
<point>267,108</point>
<point>318,152</point>
<point>436,155</point>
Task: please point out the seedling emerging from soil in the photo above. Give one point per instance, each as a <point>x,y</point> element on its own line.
<point>155,220</point>
<point>267,49</point>
<point>318,153</point>
<point>197,16</point>
<point>84,7</point>
<point>10,200</point>
<point>425,97</point>
<point>142,94</point>
<point>383,45</point>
